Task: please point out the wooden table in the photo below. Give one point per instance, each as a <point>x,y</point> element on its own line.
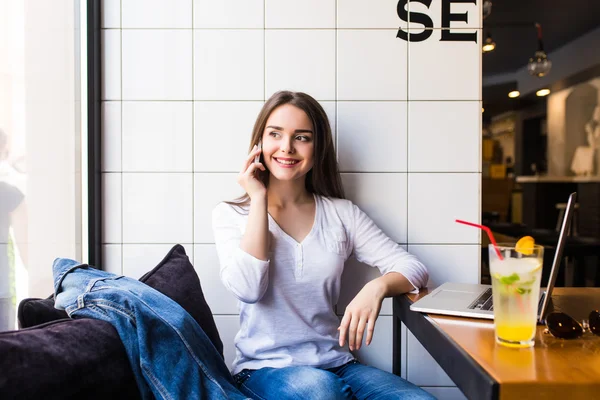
<point>466,350</point>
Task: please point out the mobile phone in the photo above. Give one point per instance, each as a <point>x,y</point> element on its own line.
<point>257,157</point>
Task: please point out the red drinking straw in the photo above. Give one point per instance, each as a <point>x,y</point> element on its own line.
<point>489,233</point>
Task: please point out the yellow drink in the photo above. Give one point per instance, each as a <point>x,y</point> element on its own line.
<point>516,291</point>
<point>515,333</point>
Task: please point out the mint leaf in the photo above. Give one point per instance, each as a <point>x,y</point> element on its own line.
<point>509,280</point>
<point>523,290</point>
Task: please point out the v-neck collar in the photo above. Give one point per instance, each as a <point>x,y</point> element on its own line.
<point>312,231</point>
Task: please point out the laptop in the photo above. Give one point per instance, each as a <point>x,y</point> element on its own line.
<point>475,301</point>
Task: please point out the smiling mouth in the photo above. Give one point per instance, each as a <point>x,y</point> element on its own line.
<point>286,161</point>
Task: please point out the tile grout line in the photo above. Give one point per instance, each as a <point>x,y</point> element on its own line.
<point>212,243</point>
<point>341,172</point>
<point>193,146</point>
<point>122,176</point>
<point>407,134</point>
<point>405,363</point>
<point>337,132</point>
<point>323,100</point>
<point>335,94</point>
<point>395,29</point>
<point>480,139</point>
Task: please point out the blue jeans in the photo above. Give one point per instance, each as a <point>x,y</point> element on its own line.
<point>170,355</point>
<point>349,381</point>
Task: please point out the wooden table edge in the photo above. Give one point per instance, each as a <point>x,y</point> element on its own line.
<point>470,377</point>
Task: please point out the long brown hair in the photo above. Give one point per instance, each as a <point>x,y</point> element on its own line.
<point>324,177</point>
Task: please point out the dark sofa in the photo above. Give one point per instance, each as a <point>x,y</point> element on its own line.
<point>54,357</point>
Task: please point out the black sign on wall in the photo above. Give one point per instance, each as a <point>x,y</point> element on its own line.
<point>425,20</point>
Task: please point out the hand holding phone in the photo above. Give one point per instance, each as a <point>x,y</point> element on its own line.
<point>257,157</point>
<point>249,178</point>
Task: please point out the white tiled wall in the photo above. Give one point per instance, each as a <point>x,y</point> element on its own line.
<point>454,79</point>
<point>184,80</point>
<point>156,136</point>
<point>371,65</point>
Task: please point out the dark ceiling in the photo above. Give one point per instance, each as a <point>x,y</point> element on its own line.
<point>511,25</point>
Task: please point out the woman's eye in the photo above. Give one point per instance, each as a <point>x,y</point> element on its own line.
<point>273,133</point>
<point>303,138</point>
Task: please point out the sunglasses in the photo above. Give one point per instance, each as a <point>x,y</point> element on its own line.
<point>563,326</point>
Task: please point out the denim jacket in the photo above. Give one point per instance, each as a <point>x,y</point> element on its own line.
<point>170,355</point>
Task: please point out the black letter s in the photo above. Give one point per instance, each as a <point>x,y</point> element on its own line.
<point>419,18</point>
<point>401,11</point>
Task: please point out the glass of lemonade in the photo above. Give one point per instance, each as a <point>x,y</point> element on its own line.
<point>516,292</point>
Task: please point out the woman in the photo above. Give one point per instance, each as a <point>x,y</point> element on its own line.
<point>282,249</point>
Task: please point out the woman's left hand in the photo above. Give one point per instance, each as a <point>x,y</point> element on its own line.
<point>361,313</point>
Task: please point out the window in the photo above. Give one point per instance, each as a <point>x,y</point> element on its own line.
<point>43,123</point>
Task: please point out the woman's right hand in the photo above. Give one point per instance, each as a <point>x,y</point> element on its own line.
<point>247,176</point>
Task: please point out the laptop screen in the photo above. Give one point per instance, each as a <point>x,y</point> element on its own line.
<point>562,237</point>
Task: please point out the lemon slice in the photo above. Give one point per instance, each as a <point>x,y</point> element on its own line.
<point>525,245</point>
<point>537,267</point>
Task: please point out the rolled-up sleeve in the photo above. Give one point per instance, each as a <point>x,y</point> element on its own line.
<point>245,276</point>
<point>373,247</point>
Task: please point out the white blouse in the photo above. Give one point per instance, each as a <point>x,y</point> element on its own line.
<point>286,303</point>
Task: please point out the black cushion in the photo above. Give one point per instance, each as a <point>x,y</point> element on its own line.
<point>64,358</point>
<point>35,311</point>
<point>176,278</point>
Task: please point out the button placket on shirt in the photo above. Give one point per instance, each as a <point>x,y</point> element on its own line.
<point>299,262</point>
